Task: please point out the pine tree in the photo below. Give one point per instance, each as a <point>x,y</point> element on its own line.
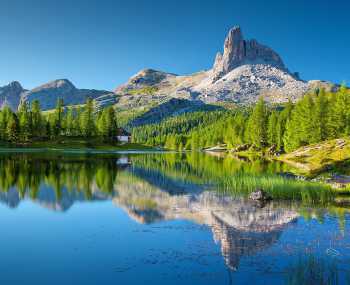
<point>70,122</point>
<point>257,125</point>
<point>290,137</point>
<point>4,118</point>
<point>305,111</point>
<point>48,129</point>
<point>301,128</point>
<point>56,121</point>
<point>181,146</point>
<point>112,123</point>
<point>2,126</point>
<point>77,120</point>
<point>283,117</point>
<point>194,141</point>
<point>321,116</point>
<point>272,128</point>
<point>25,122</point>
<point>102,125</point>
<point>339,118</point>
<point>170,142</point>
<point>37,120</point>
<point>88,120</point>
<point>233,131</point>
<point>12,129</point>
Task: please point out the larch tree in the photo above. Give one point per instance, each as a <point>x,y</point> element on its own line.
<point>56,121</point>
<point>257,127</point>
<point>37,119</point>
<point>25,122</point>
<point>88,119</point>
<point>340,115</point>
<point>272,128</point>
<point>12,129</point>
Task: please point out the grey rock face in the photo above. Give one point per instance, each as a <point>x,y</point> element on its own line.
<point>145,78</point>
<point>238,51</point>
<point>246,83</point>
<point>241,74</point>
<point>49,93</point>
<point>10,95</point>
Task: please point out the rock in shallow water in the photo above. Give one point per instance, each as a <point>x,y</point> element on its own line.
<point>259,195</point>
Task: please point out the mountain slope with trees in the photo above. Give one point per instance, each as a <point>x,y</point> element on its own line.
<point>318,116</point>
<point>30,124</point>
<point>245,71</point>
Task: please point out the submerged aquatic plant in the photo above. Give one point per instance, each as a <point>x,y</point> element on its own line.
<point>312,270</point>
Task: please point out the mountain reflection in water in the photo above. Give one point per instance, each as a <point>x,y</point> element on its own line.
<point>148,196</point>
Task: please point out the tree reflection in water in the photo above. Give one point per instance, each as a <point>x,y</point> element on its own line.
<point>154,188</point>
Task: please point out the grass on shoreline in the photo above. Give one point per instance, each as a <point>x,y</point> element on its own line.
<point>78,143</point>
<point>278,187</point>
<point>237,178</point>
<point>315,158</point>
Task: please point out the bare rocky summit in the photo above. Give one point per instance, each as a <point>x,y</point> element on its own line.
<point>238,51</point>
<point>10,95</point>
<point>13,94</point>
<point>241,74</point>
<point>49,93</point>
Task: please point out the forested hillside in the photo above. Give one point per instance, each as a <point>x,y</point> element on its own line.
<point>31,124</point>
<point>174,132</point>
<point>318,116</point>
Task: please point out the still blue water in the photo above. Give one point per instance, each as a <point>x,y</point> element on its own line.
<point>139,231</point>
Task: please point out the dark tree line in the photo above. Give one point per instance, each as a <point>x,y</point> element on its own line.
<point>29,123</point>
<point>27,174</point>
<point>318,116</point>
<point>174,128</point>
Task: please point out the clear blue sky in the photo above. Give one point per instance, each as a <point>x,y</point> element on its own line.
<point>100,44</point>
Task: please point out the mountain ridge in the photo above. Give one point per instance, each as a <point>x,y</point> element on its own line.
<point>10,95</point>
<point>243,72</point>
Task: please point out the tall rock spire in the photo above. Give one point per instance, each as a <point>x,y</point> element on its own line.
<point>238,51</point>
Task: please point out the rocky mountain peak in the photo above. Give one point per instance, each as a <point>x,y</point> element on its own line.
<point>48,94</point>
<point>144,78</point>
<point>10,95</point>
<point>15,86</point>
<point>63,82</point>
<point>244,71</point>
<point>238,51</point>
<point>233,39</point>
<point>56,84</point>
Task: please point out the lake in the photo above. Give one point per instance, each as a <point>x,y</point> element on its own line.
<point>164,218</point>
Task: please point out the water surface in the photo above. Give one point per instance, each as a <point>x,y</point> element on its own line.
<point>159,219</point>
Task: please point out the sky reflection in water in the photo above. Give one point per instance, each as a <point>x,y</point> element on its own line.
<point>159,219</point>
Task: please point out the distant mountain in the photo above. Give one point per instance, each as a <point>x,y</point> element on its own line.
<point>10,95</point>
<point>49,93</point>
<point>13,94</point>
<point>241,74</point>
<point>245,71</point>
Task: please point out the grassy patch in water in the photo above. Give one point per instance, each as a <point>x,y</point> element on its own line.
<point>279,187</point>
<point>312,269</point>
<point>235,177</point>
